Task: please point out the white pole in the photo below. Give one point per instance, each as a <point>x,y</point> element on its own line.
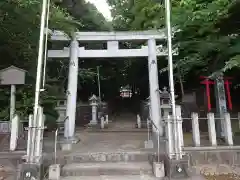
<point>55,146</point>
<point>180,130</point>
<point>169,133</point>
<point>171,80</point>
<point>30,141</point>
<point>46,47</point>
<point>99,84</point>
<point>39,133</point>
<point>72,90</point>
<point>39,72</point>
<point>40,59</point>
<point>12,102</point>
<point>154,87</point>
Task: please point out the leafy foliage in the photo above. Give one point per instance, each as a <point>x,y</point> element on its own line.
<point>19,35</point>
<point>208,36</point>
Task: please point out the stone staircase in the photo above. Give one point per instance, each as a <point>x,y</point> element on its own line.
<point>106,166</point>
<point>116,152</point>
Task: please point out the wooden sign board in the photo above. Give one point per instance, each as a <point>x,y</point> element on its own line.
<point>12,76</point>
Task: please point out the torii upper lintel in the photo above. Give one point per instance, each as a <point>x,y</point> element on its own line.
<point>110,36</point>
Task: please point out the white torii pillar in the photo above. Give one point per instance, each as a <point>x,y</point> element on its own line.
<point>72,91</point>
<point>154,87</point>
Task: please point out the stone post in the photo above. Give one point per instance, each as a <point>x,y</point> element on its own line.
<point>14,132</point>
<point>102,122</point>
<point>138,121</point>
<point>221,104</point>
<point>195,129</point>
<point>72,91</point>
<point>212,129</point>
<point>154,87</point>
<point>228,129</point>
<point>106,119</point>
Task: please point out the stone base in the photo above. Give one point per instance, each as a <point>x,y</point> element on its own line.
<point>71,140</point>
<point>66,143</point>
<point>92,123</point>
<point>66,146</point>
<point>177,169</point>
<point>148,144</point>
<point>54,172</point>
<point>28,171</point>
<point>158,169</point>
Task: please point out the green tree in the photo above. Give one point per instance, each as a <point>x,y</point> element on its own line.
<point>206,42</point>
<point>19,35</point>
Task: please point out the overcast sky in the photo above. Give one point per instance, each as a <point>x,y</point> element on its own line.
<point>103,7</point>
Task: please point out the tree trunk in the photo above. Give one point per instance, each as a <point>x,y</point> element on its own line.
<point>180,81</point>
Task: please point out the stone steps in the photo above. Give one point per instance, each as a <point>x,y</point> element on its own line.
<point>107,177</point>
<point>126,177</point>
<point>107,168</point>
<point>114,153</point>
<point>135,156</point>
<point>117,130</point>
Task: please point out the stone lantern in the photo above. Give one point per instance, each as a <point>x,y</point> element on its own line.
<point>165,102</point>
<point>148,103</point>
<point>94,103</point>
<point>61,109</point>
<point>126,92</point>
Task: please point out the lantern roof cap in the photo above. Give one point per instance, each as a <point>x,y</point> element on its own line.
<point>93,98</point>
<point>12,67</point>
<point>165,94</point>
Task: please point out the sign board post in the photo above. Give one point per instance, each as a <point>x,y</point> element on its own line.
<point>12,101</point>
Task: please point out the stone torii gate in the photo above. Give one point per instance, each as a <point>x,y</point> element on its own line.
<point>112,38</point>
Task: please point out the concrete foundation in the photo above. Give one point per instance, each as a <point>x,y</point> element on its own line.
<point>66,147</point>
<point>158,169</point>
<point>54,172</point>
<point>177,169</point>
<point>148,144</point>
<point>30,171</point>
